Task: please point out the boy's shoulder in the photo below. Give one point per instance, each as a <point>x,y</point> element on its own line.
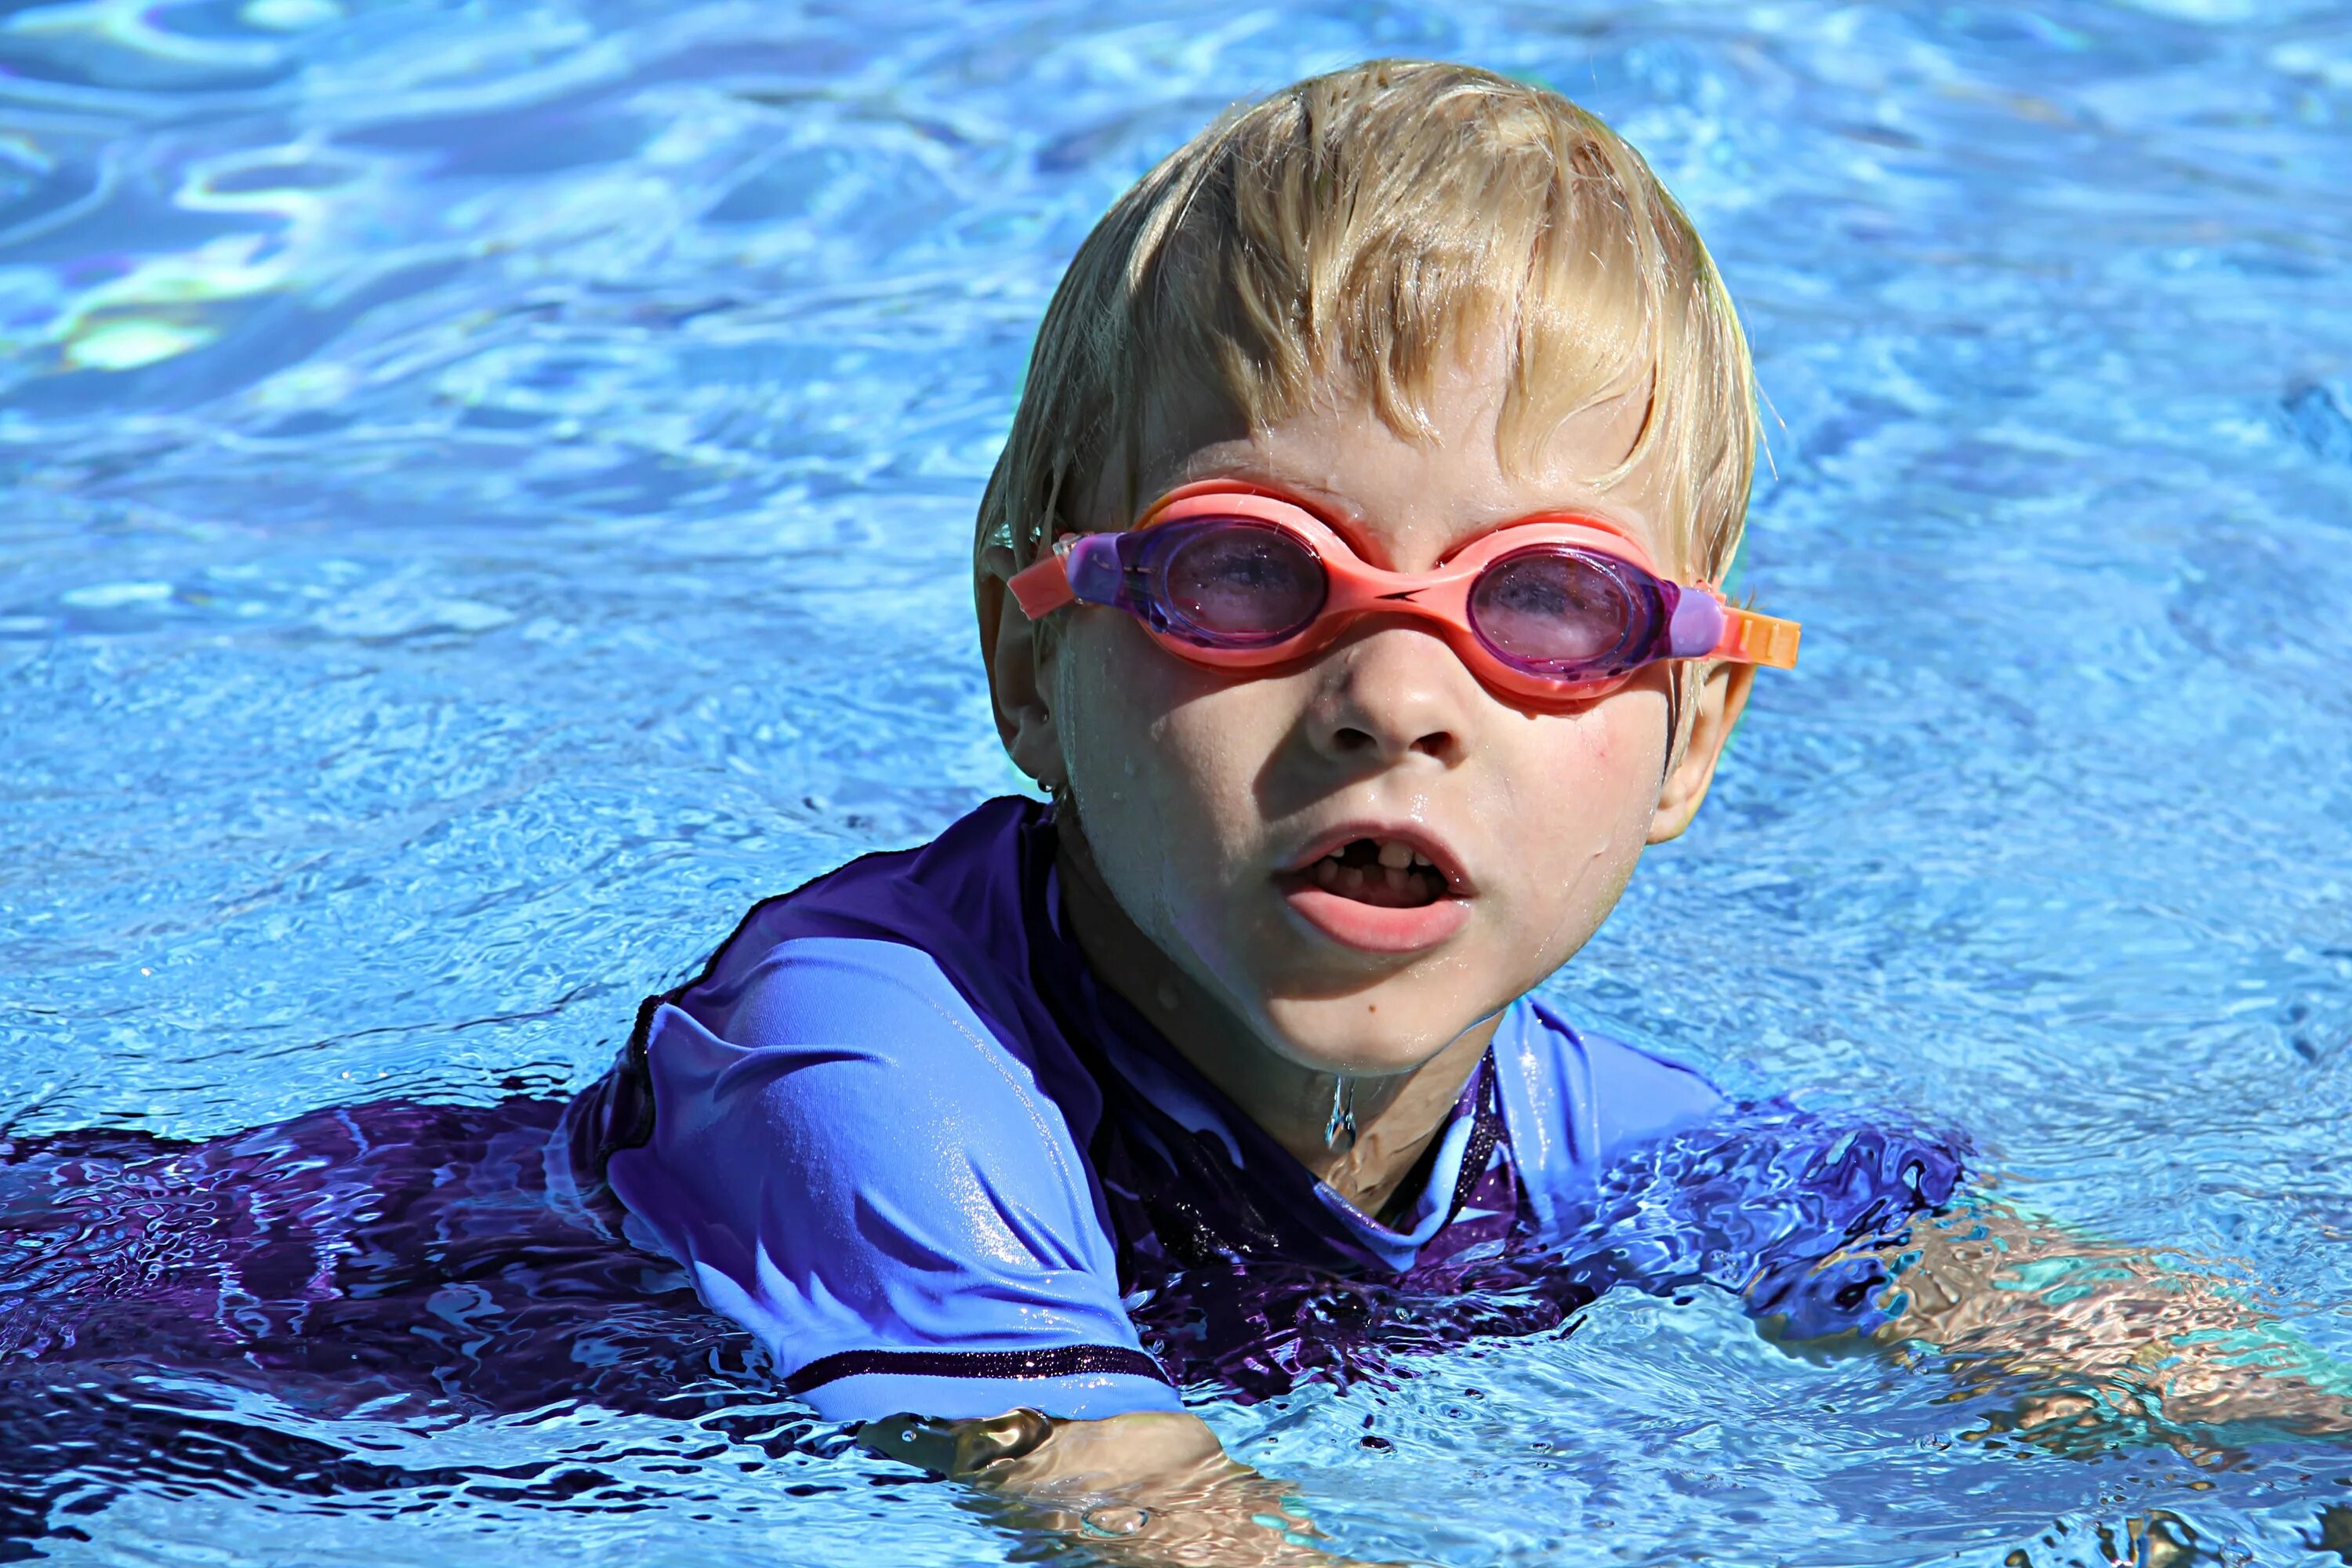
<point>867,1061</point>
<point>915,960</point>
<point>1575,1101</point>
<point>886,1184</point>
<point>959,896</point>
<point>944,927</point>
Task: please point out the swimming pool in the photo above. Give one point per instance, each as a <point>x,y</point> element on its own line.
<point>449,452</point>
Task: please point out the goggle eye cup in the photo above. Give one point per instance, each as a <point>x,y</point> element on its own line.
<point>1232,582</point>
<point>1560,612</point>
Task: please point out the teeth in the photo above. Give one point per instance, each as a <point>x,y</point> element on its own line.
<point>1395,865</point>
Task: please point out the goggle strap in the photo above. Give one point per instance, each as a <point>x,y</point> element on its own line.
<point>1042,587</point>
<point>1082,566</point>
<point>1751,638</point>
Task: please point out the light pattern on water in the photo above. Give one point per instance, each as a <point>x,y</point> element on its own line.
<point>490,490</point>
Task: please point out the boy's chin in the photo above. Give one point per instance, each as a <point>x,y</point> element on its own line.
<point>1368,1035</point>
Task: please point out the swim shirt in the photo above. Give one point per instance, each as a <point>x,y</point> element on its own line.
<point>899,1131</point>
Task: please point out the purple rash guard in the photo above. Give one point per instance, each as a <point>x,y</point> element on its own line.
<point>897,1130</point>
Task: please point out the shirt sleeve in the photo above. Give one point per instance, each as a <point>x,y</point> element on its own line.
<point>1642,1174</point>
<point>1797,1213</point>
<point>852,1164</point>
<point>1578,1103</point>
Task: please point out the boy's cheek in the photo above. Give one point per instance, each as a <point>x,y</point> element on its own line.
<point>1569,801</point>
<point>1170,745</point>
<point>1163,756</point>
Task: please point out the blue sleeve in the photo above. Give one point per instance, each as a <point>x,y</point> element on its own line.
<point>1641,1173</point>
<point>853,1166</point>
<point>1796,1212</point>
<point>1578,1103</point>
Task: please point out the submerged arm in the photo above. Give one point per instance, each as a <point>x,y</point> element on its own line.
<point>1145,1489</point>
<point>2104,1331</point>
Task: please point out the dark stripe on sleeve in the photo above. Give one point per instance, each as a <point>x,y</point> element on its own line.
<point>1060,1360</point>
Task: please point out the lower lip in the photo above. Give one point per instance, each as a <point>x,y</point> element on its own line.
<point>1371,928</point>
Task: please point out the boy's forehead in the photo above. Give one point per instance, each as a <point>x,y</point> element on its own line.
<point>1413,496</point>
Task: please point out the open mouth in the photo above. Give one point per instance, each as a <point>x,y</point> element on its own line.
<point>1387,874</point>
<point>1387,890</point>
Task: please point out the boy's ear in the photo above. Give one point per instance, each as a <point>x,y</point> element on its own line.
<point>1714,710</point>
<point>1017,679</point>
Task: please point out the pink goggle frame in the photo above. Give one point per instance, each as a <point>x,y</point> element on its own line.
<point>1557,607</point>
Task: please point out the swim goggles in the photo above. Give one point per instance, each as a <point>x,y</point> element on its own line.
<point>1550,608</point>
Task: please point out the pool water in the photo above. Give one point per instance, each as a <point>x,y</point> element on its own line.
<point>489,496</point>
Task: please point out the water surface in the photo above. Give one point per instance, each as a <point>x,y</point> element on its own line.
<point>489,495</point>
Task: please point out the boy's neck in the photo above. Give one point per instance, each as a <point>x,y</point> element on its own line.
<point>1396,1116</point>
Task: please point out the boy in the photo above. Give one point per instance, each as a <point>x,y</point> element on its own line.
<point>1345,583</point>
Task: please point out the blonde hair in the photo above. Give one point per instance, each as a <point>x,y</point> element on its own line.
<point>1355,230</point>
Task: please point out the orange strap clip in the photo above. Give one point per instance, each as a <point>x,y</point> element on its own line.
<point>1758,639</point>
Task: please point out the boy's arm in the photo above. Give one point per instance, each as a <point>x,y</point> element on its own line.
<point>1146,1488</point>
<point>2103,1331</point>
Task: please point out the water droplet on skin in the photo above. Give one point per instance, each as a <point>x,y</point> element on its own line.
<point>1118,1519</point>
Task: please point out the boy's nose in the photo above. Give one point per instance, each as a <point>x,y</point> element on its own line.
<point>1392,694</point>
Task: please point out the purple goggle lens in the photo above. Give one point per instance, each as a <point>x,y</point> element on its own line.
<point>1226,582</point>
<point>1569,614</point>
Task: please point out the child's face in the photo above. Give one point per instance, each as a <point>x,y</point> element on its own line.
<point>1207,798</point>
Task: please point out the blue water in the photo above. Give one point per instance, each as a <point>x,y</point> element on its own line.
<point>489,495</point>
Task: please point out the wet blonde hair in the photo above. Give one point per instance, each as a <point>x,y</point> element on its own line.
<point>1353,231</point>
